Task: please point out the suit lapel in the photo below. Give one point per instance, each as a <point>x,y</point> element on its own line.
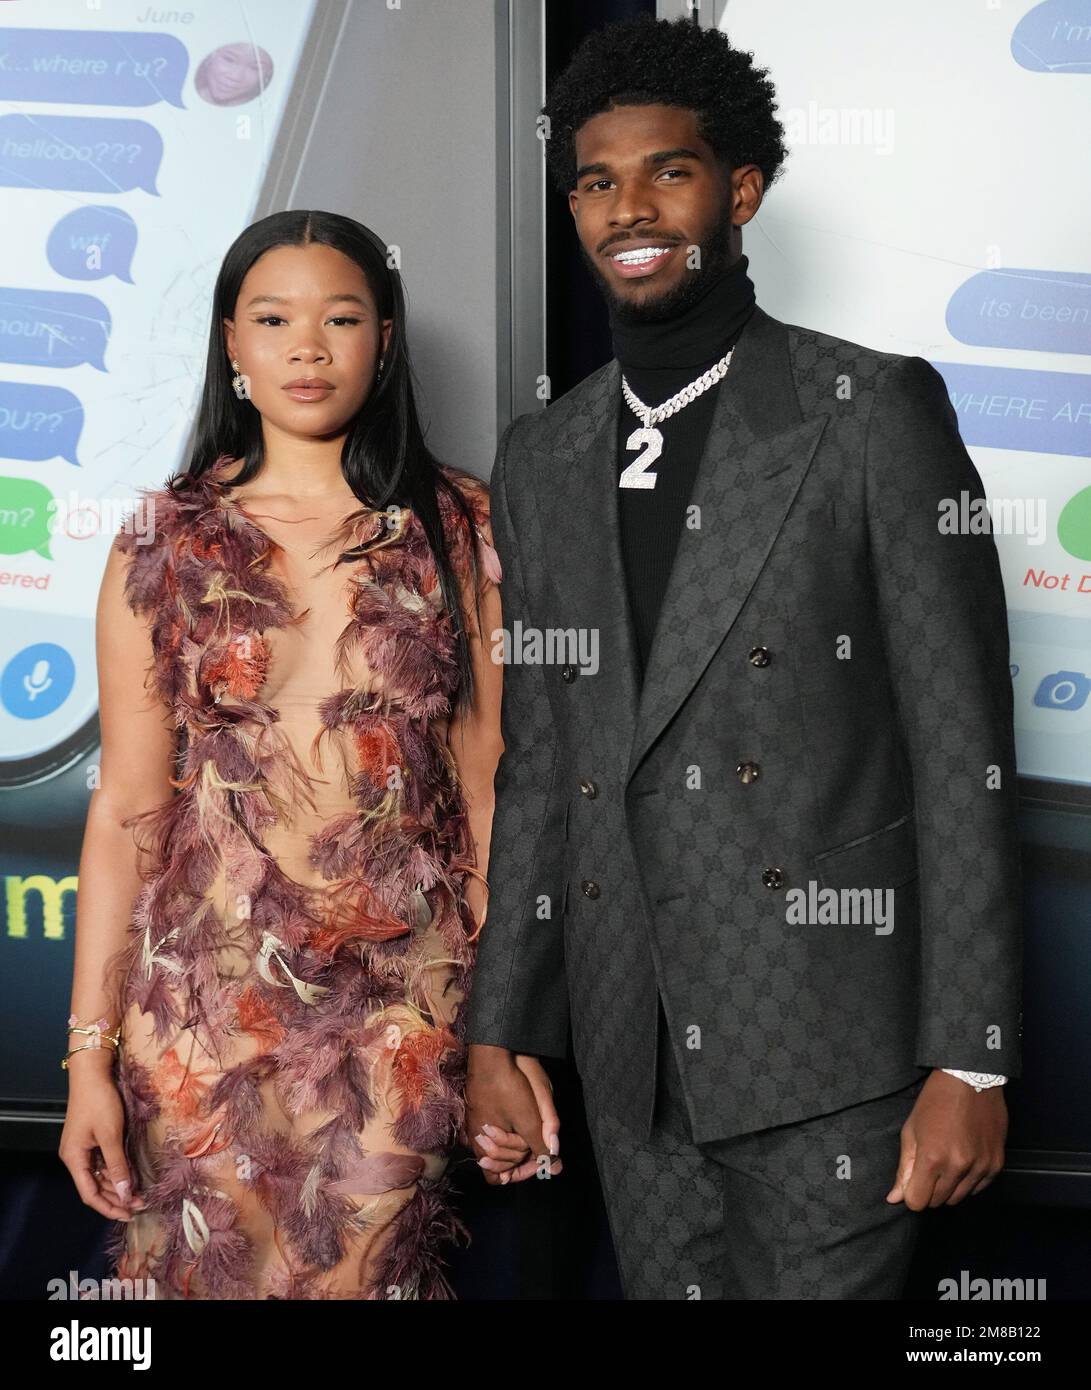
<point>578,512</point>
<point>757,452</point>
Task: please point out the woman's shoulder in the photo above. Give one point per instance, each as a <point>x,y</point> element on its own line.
<point>159,509</point>
<point>475,491</point>
<point>162,520</point>
<point>473,488</point>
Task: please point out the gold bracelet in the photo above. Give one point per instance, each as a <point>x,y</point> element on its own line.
<point>83,1047</point>
<point>97,1033</point>
<point>96,1029</point>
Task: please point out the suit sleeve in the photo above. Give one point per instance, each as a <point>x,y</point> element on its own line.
<point>519,998</point>
<point>944,625</point>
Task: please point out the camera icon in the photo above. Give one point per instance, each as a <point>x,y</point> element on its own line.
<point>1063,690</point>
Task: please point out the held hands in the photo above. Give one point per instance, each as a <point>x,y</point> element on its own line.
<point>952,1143</point>
<point>510,1115</point>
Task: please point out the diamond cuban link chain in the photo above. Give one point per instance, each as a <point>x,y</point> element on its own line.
<point>636,474</point>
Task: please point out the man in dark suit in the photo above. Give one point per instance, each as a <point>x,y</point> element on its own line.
<point>755,837</point>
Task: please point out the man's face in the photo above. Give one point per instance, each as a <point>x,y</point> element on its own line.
<point>655,211</point>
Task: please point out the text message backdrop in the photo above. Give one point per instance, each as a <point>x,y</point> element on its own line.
<point>935,203</point>
<point>134,141</point>
<point>131,153</point>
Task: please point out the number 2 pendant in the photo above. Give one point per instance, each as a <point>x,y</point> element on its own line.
<point>636,474</point>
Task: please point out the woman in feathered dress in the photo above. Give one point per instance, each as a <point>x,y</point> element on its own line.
<point>283,872</point>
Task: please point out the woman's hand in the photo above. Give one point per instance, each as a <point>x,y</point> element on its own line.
<point>510,1112</point>
<point>542,1087</point>
<point>94,1120</point>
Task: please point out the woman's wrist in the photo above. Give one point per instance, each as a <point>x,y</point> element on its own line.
<point>81,1059</point>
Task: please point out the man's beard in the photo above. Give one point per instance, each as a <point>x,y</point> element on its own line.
<point>715,258</point>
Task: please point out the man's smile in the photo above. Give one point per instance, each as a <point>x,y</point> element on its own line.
<point>631,260</point>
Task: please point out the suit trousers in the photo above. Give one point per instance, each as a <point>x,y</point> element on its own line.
<point>791,1212</point>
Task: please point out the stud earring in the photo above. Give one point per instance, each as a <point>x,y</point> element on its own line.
<point>240,383</point>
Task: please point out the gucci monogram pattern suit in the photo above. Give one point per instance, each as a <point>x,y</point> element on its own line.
<point>827,702</point>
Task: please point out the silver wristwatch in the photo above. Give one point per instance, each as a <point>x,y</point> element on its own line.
<point>979,1080</point>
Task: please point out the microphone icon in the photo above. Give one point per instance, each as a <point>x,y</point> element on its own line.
<point>39,680</point>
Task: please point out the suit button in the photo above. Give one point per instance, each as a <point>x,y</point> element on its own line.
<point>773,878</point>
<point>748,772</point>
<point>588,787</point>
<point>759,656</point>
<point>590,888</point>
<point>568,673</point>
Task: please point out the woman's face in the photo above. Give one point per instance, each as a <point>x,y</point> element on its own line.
<point>307,314</point>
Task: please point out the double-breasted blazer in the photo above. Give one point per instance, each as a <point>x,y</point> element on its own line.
<point>827,705</point>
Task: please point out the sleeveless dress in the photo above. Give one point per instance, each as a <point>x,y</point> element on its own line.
<point>292,1060</point>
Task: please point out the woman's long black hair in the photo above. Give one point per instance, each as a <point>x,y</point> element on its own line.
<point>384,459</point>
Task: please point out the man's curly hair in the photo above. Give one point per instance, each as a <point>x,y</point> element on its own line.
<point>671,63</point>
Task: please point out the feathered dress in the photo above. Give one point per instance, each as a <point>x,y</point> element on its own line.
<point>292,1061</point>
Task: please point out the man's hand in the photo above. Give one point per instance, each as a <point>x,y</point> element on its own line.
<point>952,1143</point>
<point>510,1114</point>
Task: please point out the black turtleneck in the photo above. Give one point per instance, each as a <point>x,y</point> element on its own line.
<point>657,360</point>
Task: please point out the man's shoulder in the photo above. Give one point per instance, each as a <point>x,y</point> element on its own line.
<point>820,360</point>
<point>541,429</point>
<point>824,367</point>
<point>827,368</point>
<point>892,396</point>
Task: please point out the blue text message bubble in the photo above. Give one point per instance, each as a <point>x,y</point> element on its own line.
<point>39,422</point>
<point>1053,37</point>
<point>1044,310</point>
<point>52,328</point>
<point>103,68</point>
<point>1009,408</point>
<point>84,154</point>
<point>93,242</point>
